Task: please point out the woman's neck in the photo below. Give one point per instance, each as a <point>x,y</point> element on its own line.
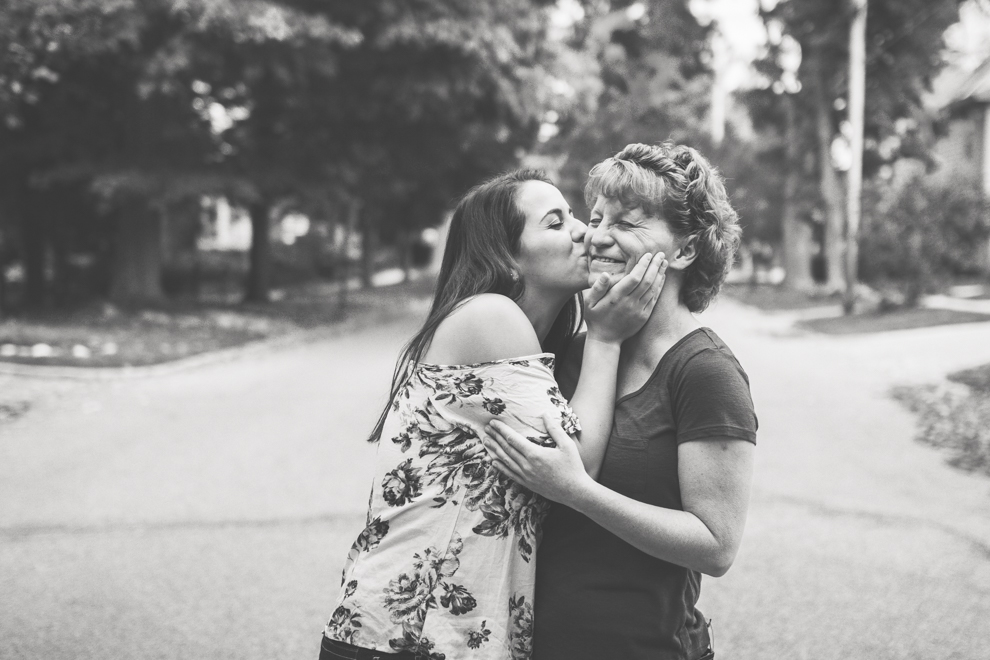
<point>542,309</point>
<point>670,321</point>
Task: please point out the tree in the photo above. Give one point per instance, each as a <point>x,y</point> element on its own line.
<point>390,106</point>
<point>105,92</point>
<point>922,234</point>
<point>438,95</point>
<point>654,84</point>
<point>904,44</point>
<point>42,42</point>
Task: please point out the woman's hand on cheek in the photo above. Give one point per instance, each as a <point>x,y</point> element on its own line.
<point>557,473</point>
<point>617,313</point>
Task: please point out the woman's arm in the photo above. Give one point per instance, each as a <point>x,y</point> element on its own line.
<point>714,477</point>
<point>613,315</point>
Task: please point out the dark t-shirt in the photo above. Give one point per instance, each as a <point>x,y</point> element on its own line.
<point>596,595</point>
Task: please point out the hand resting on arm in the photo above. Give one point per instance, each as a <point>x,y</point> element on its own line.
<point>714,477</point>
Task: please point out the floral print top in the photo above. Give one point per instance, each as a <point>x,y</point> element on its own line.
<point>445,565</point>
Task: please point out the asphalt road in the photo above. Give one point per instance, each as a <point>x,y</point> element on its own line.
<point>206,514</point>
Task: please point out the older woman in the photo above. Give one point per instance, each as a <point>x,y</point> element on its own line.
<point>620,566</point>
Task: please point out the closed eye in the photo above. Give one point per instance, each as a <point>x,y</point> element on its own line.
<point>554,219</point>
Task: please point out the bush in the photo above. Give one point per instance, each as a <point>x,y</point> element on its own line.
<point>922,234</point>
<point>954,417</point>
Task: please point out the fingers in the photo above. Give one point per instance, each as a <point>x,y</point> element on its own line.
<point>507,471</point>
<point>505,458</point>
<point>650,273</point>
<point>499,443</point>
<point>649,287</point>
<point>515,445</point>
<point>631,281</point>
<point>599,289</point>
<point>556,431</point>
<point>500,460</point>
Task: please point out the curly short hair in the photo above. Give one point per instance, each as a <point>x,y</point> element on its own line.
<point>678,185</point>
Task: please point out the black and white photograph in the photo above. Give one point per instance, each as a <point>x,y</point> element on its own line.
<point>495,329</point>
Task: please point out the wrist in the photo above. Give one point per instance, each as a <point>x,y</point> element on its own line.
<point>581,492</point>
<point>603,340</point>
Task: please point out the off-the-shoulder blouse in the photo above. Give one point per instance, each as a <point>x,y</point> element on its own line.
<point>446,563</point>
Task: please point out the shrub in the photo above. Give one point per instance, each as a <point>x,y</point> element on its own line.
<point>920,235</point>
<point>953,417</point>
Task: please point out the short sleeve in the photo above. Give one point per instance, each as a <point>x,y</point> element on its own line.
<point>517,392</point>
<point>711,399</point>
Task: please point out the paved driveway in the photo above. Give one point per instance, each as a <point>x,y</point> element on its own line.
<point>860,543</point>
<point>206,514</point>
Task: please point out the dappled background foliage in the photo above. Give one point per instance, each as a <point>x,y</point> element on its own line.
<point>118,118</point>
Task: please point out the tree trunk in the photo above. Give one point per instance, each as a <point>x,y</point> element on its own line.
<point>405,254</point>
<point>137,276</point>
<point>259,269</point>
<point>61,284</point>
<point>33,243</point>
<point>830,186</point>
<point>797,232</point>
<point>3,268</point>
<point>369,246</point>
<point>854,184</point>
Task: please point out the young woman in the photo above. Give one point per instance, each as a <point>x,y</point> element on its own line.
<point>620,565</point>
<point>444,568</point>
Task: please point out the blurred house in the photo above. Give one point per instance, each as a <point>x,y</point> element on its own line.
<point>223,226</point>
<point>965,149</point>
<point>963,152</point>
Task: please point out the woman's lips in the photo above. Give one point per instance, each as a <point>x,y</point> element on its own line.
<point>605,260</point>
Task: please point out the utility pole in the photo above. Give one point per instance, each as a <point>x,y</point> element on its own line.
<point>857,103</point>
<point>720,95</point>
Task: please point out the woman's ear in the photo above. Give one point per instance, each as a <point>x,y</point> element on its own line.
<point>685,255</point>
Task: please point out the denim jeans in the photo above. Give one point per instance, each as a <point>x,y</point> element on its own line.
<point>331,649</point>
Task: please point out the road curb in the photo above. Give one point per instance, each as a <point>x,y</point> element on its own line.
<point>292,338</point>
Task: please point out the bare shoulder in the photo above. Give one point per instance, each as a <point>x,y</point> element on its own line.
<point>487,327</point>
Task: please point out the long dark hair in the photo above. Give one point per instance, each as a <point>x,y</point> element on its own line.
<point>479,257</point>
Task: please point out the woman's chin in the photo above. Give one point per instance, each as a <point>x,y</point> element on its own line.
<point>613,273</point>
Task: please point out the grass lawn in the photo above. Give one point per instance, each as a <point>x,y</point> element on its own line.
<point>773,298</point>
<point>955,417</point>
<point>901,319</point>
<point>102,335</point>
<point>977,378</point>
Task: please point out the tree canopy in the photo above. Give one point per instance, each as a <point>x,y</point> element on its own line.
<point>398,104</point>
<point>804,106</point>
<point>376,114</point>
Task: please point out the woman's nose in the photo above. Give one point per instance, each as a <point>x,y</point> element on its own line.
<point>598,236</point>
<point>578,231</point>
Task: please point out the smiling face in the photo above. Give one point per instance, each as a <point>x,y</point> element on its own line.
<point>617,237</point>
<point>551,249</point>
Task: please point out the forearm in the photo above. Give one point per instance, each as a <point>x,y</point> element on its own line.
<point>678,537</point>
<point>594,400</point>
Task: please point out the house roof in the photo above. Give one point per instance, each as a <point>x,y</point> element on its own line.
<point>975,88</point>
<point>957,86</point>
